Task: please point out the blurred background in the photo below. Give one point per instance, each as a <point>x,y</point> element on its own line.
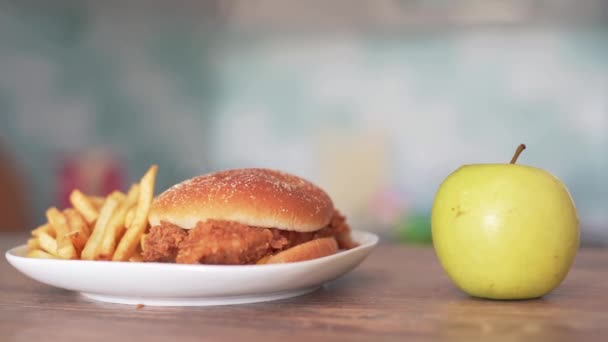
<point>376,101</point>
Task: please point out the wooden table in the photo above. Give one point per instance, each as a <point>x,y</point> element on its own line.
<point>398,292</point>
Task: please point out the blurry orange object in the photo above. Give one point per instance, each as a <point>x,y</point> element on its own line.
<point>94,172</point>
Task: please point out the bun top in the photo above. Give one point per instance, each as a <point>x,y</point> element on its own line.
<point>254,197</point>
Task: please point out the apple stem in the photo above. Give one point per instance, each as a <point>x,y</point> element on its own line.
<point>519,150</point>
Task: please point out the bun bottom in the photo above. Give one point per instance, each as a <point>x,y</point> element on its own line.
<point>313,249</point>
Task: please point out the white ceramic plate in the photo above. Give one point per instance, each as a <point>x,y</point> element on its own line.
<point>190,285</point>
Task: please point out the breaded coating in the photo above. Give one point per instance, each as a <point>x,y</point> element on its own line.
<point>162,243</point>
<point>224,243</point>
<point>231,243</point>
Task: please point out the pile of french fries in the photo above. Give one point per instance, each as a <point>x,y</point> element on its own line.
<point>97,228</point>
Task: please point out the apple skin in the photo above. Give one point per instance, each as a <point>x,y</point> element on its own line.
<point>504,231</point>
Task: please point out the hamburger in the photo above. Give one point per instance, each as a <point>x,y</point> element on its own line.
<point>244,216</point>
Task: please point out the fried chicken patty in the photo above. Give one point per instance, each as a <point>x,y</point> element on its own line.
<point>231,243</point>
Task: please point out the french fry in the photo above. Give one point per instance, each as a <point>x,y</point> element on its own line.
<point>136,257</point>
<point>84,206</point>
<point>131,239</point>
<point>33,244</point>
<point>97,201</point>
<point>46,228</point>
<point>79,231</point>
<point>38,254</point>
<point>116,225</point>
<point>97,228</point>
<point>142,243</point>
<point>65,248</point>
<point>47,243</point>
<point>91,249</point>
<point>129,217</point>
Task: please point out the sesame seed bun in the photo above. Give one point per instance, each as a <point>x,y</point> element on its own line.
<point>254,197</point>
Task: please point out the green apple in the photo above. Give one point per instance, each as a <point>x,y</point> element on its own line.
<point>504,231</point>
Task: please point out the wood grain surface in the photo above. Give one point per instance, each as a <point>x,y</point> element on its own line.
<point>399,293</point>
